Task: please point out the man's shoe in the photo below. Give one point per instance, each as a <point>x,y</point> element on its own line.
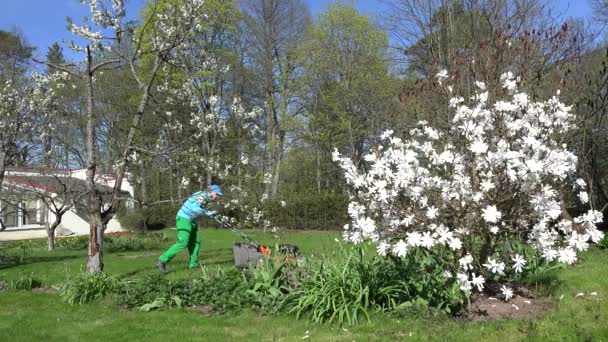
<point>161,266</point>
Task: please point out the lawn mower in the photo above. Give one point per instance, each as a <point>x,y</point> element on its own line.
<point>250,252</point>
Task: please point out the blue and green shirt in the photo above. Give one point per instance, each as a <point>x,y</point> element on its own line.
<point>196,206</point>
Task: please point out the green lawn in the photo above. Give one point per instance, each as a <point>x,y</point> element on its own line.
<point>26,316</point>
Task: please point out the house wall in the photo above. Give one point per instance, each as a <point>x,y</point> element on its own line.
<point>70,220</point>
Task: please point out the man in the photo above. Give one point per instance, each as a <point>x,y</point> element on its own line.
<point>187,231</point>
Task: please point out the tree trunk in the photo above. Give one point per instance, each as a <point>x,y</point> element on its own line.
<point>277,166</point>
<point>318,172</point>
<point>95,258</point>
<point>143,194</point>
<point>50,238</point>
<point>50,229</point>
<point>180,193</point>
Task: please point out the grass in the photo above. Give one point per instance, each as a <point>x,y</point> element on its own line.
<point>29,316</point>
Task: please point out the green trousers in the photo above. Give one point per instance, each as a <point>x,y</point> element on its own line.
<point>187,237</point>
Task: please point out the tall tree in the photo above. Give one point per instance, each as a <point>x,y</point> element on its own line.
<point>15,53</point>
<point>348,81</point>
<point>275,29</point>
<point>165,27</point>
<point>54,55</point>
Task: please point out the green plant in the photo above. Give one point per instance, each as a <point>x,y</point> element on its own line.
<point>419,280</point>
<point>538,271</point>
<point>351,286</point>
<point>335,291</point>
<point>223,291</point>
<point>272,278</point>
<point>25,283</point>
<point>153,287</point>
<point>603,244</point>
<point>159,303</point>
<point>88,287</point>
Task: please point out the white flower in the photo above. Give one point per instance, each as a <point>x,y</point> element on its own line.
<point>427,241</point>
<point>495,267</point>
<point>480,85</point>
<point>442,76</point>
<point>550,254</point>
<point>567,255</point>
<point>534,165</point>
<point>584,197</point>
<point>463,281</point>
<point>493,229</point>
<point>519,263</point>
<point>465,262</point>
<point>400,249</point>
<point>387,134</point>
<point>491,214</point>
<point>487,185</point>
<point>507,293</point>
<point>414,239</point>
<point>508,81</point>
<point>455,244</point>
<point>408,220</point>
<point>383,248</point>
<point>431,212</point>
<point>478,147</point>
<point>478,281</point>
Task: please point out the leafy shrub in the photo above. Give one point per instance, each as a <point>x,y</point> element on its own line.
<point>305,211</point>
<point>603,244</point>
<point>333,291</point>
<point>223,291</point>
<point>537,270</point>
<point>152,287</point>
<point>159,303</point>
<point>14,253</point>
<point>494,174</point>
<point>349,288</point>
<point>25,283</point>
<point>114,242</point>
<point>271,279</point>
<point>150,218</point>
<point>88,287</point>
<point>73,242</point>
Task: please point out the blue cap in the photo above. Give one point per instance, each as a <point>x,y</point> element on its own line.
<point>216,189</point>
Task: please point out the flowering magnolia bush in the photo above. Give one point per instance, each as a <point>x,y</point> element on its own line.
<point>495,176</point>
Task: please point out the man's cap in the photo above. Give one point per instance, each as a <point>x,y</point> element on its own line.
<point>216,189</point>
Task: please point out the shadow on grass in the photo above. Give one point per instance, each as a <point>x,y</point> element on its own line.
<point>7,262</point>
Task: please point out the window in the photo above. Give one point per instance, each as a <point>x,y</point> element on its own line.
<point>28,213</point>
<point>33,212</point>
<point>9,213</point>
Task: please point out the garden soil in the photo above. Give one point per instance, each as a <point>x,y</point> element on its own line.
<point>522,305</point>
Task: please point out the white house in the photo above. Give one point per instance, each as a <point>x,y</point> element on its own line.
<point>24,214</point>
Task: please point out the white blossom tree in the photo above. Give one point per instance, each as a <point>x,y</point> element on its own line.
<point>164,30</point>
<point>494,176</point>
<point>26,116</point>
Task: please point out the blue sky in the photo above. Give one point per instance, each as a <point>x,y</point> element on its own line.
<point>43,21</point>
